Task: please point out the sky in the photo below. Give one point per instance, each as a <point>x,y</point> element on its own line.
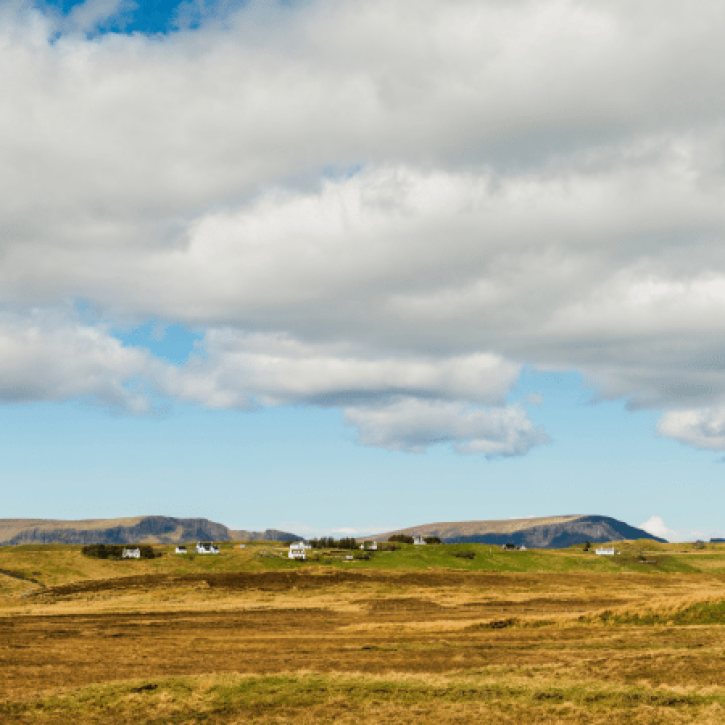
<point>344,266</point>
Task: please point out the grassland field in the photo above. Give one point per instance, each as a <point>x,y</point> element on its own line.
<point>410,636</point>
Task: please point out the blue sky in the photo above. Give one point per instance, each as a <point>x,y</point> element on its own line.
<point>344,267</point>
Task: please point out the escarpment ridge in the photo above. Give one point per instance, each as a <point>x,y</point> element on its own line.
<point>550,532</point>
<point>136,529</point>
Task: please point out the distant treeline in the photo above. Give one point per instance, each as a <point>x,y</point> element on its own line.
<point>404,539</point>
<point>115,551</point>
<point>327,542</point>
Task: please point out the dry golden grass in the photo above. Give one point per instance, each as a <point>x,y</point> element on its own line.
<point>326,645</point>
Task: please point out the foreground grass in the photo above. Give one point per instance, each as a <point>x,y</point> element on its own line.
<point>407,646</point>
<point>316,698</point>
<point>670,612</point>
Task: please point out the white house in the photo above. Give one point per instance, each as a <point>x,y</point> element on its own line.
<point>369,545</point>
<point>418,541</point>
<point>298,550</point>
<point>131,554</point>
<point>206,547</point>
<point>605,552</point>
<point>181,549</point>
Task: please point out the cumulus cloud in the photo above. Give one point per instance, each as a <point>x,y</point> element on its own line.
<point>92,14</point>
<point>400,403</point>
<point>387,206</point>
<point>235,370</point>
<point>700,428</point>
<point>657,527</point>
<point>313,531</point>
<point>414,424</point>
<point>46,357</point>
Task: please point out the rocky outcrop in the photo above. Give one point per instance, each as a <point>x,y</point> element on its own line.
<point>141,530</point>
<point>549,533</point>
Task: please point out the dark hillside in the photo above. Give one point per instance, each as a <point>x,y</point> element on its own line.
<point>139,529</point>
<point>543,533</point>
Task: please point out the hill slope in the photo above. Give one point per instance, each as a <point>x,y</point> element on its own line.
<point>552,532</point>
<point>137,529</point>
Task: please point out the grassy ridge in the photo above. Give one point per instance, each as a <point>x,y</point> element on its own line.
<point>48,565</point>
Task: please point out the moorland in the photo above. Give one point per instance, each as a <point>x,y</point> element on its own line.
<point>420,634</point>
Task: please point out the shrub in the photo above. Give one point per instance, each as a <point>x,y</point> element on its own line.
<point>388,547</point>
<point>103,551</point>
<point>464,554</point>
<point>401,539</point>
<point>432,540</point>
<point>147,552</point>
<point>115,551</point>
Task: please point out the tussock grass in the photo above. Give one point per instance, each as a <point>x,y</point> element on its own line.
<point>673,611</point>
<point>396,648</point>
<point>344,698</point>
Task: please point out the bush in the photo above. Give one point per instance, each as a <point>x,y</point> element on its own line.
<point>115,551</point>
<point>401,539</point>
<point>464,554</point>
<point>432,540</point>
<point>387,547</point>
<point>103,551</point>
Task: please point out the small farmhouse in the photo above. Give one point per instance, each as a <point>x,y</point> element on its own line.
<point>298,550</point>
<point>369,545</point>
<point>206,547</point>
<point>181,549</point>
<point>605,552</point>
<point>131,554</point>
<point>418,541</point>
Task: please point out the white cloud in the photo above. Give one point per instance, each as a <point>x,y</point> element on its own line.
<point>46,357</point>
<point>414,424</point>
<point>313,531</point>
<point>657,527</point>
<point>388,206</point>
<point>702,428</point>
<point>235,371</point>
<point>92,14</point>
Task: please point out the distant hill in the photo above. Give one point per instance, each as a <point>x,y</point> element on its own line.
<point>552,532</point>
<point>132,530</point>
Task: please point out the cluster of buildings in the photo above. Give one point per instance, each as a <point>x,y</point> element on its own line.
<point>202,547</point>
<point>299,549</point>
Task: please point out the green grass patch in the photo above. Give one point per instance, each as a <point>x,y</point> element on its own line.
<point>290,698</point>
<point>697,613</point>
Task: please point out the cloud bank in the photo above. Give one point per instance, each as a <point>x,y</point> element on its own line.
<point>387,207</point>
<point>657,527</point>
